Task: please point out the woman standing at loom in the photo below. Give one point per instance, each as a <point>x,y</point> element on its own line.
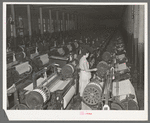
<point>85,72</point>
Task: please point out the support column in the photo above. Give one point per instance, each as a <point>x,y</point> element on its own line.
<point>78,22</point>
<point>29,21</point>
<point>50,21</point>
<point>57,24</point>
<point>66,22</point>
<point>82,22</point>
<point>41,21</point>
<point>129,33</point>
<point>68,27</point>
<point>75,22</point>
<point>79,18</point>
<point>141,46</point>
<point>86,20</point>
<point>136,33</point>
<point>132,32</point>
<point>63,21</point>
<point>72,22</point>
<point>14,27</point>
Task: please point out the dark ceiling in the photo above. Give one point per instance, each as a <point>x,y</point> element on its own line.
<point>99,12</point>
<point>91,11</point>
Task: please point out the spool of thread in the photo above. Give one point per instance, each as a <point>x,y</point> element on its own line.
<point>14,58</point>
<point>36,50</point>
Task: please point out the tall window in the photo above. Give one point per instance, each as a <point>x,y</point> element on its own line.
<point>48,26</point>
<point>52,26</point>
<point>11,25</point>
<point>44,25</point>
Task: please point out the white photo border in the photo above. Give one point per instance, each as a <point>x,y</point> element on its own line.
<point>74,115</point>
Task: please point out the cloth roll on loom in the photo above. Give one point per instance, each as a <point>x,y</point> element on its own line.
<point>33,55</point>
<point>125,93</point>
<point>68,96</point>
<point>60,85</point>
<point>44,58</point>
<point>121,67</point>
<point>23,68</point>
<point>41,60</point>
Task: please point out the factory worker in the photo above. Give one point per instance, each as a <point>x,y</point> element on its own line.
<point>85,72</point>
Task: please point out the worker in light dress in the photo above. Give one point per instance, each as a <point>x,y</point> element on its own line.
<point>85,72</point>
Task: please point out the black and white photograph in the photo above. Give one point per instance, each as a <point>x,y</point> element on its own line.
<point>75,61</point>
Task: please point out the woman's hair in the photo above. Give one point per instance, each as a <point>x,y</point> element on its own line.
<point>84,51</point>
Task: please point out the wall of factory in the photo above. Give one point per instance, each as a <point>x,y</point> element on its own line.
<point>127,24</point>
<point>133,31</point>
